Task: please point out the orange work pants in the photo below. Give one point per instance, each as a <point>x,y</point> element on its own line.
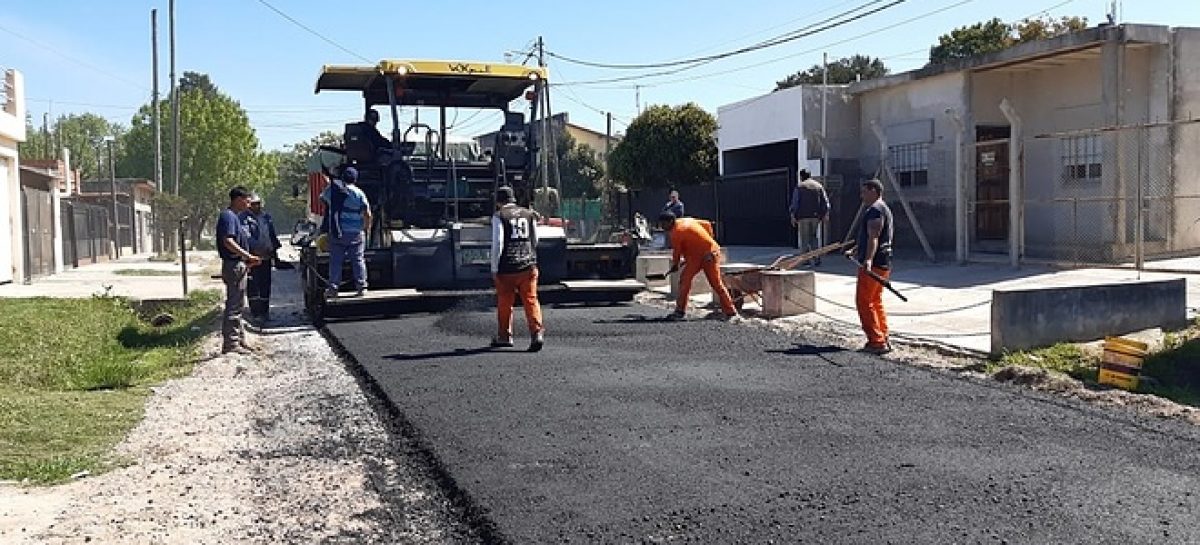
<point>508,287</point>
<point>712,271</point>
<point>868,298</point>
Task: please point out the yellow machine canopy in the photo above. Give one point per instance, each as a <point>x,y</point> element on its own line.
<point>452,84</point>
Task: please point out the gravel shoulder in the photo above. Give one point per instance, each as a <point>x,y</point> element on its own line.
<point>279,447</point>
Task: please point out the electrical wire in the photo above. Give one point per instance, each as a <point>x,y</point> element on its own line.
<point>313,32</point>
<point>777,59</point>
<point>74,60</point>
<point>809,30</point>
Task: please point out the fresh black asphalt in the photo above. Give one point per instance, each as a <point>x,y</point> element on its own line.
<point>627,429</point>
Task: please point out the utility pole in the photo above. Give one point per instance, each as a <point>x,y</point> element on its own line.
<point>607,145</point>
<point>174,101</point>
<point>112,185</point>
<point>46,136</point>
<point>154,113</point>
<point>824,139</point>
<point>545,125</point>
<point>637,98</point>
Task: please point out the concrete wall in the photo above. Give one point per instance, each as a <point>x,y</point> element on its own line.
<point>12,132</point>
<point>791,114</point>
<point>911,113</point>
<point>1031,318</point>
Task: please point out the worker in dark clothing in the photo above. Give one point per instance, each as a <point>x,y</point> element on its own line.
<point>264,242</point>
<point>873,251</point>
<point>233,243</point>
<point>514,269</point>
<point>809,211</point>
<point>370,124</point>
<point>674,205</point>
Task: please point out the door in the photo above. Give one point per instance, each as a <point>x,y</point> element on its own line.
<point>38,231</point>
<point>991,183</point>
<point>7,221</point>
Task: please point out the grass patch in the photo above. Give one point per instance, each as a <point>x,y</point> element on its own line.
<point>1172,373</point>
<point>73,377</point>
<point>1175,370</point>
<point>163,257</point>
<point>1064,357</point>
<point>145,272</point>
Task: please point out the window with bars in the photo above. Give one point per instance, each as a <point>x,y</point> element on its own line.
<point>1082,158</point>
<point>910,163</point>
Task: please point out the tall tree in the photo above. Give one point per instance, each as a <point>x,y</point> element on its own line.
<point>578,169</point>
<point>996,35</point>
<point>667,146</point>
<point>218,149</point>
<point>195,81</point>
<point>83,134</point>
<point>841,71</point>
<point>294,173</point>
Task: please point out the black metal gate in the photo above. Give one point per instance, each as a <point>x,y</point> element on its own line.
<point>39,232</point>
<point>753,208</point>
<point>85,233</point>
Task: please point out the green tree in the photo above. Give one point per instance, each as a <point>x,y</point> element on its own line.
<point>996,35</point>
<point>667,146</point>
<point>841,71</point>
<point>1044,28</point>
<point>83,134</point>
<point>578,169</point>
<point>218,149</point>
<point>293,173</point>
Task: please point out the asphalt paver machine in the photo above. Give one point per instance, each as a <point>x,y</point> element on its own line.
<point>432,196</point>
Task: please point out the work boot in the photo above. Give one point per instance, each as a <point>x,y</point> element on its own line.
<point>237,350</point>
<point>536,343</point>
<point>877,349</point>
<point>501,342</point>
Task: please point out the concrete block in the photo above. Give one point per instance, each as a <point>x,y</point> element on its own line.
<point>652,264</point>
<point>1031,318</point>
<point>788,293</point>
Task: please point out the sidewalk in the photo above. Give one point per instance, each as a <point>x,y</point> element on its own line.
<point>158,280</point>
<point>948,304</point>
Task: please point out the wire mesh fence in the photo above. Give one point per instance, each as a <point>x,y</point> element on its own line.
<point>1112,196</point>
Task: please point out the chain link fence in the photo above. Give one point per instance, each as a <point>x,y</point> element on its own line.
<point>1112,196</point>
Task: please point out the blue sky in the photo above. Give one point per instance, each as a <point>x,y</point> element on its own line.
<point>84,55</point>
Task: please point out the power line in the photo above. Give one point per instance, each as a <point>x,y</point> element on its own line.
<point>313,32</point>
<point>807,52</point>
<point>73,59</point>
<point>809,30</point>
<point>773,27</point>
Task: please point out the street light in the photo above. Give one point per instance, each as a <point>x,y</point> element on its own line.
<point>112,182</point>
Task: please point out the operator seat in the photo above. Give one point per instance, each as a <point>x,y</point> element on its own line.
<point>359,148</point>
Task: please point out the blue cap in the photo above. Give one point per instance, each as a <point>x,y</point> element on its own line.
<point>349,174</point>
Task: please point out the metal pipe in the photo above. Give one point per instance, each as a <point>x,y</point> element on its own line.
<point>1016,230</point>
<point>112,183</point>
<point>960,190</point>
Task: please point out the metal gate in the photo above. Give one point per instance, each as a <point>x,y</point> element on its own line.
<point>39,232</point>
<point>753,208</point>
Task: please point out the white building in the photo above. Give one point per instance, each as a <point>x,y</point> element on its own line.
<point>12,133</point>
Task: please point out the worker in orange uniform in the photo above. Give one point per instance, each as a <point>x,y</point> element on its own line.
<point>873,252</point>
<point>692,239</point>
<point>514,268</point>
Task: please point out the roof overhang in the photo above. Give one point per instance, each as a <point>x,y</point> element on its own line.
<point>434,83</point>
<point>1042,54</point>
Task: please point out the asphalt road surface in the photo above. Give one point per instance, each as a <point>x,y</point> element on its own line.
<point>626,429</point>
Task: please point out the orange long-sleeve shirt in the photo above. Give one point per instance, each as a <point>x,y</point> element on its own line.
<point>692,238</point>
